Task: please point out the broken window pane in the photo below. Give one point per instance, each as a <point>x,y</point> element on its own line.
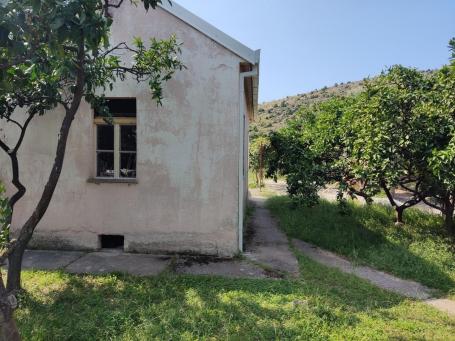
<point>105,137</point>
<point>128,165</point>
<point>105,164</point>
<point>128,138</point>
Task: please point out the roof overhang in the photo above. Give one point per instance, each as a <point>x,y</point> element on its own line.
<point>249,55</point>
<point>251,87</point>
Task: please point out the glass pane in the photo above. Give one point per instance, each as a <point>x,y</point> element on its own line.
<point>105,137</point>
<point>128,138</point>
<point>128,165</point>
<point>105,165</point>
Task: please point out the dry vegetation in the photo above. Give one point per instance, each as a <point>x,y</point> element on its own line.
<point>272,115</point>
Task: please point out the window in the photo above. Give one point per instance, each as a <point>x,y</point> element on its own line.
<point>116,143</point>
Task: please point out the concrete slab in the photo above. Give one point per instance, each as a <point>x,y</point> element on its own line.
<point>381,279</point>
<point>231,269</point>
<point>269,245</point>
<point>49,260</point>
<point>445,305</point>
<point>109,262</point>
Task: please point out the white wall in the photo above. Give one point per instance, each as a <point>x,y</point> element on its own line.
<point>186,198</point>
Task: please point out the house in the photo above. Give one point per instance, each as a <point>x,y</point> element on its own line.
<point>161,179</point>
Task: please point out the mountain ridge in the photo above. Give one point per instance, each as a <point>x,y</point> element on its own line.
<point>273,115</point>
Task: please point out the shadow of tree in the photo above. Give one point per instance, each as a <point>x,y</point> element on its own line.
<point>168,307</point>
<point>419,250</point>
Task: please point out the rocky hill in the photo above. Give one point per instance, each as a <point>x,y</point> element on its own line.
<point>272,115</point>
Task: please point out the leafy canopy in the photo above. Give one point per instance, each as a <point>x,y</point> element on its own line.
<point>46,44</point>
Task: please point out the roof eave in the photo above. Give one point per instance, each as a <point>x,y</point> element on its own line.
<point>212,32</point>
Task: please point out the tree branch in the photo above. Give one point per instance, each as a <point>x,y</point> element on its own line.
<point>120,46</point>
<point>388,194</point>
<point>5,147</point>
<point>23,131</point>
<point>8,119</point>
<point>439,208</point>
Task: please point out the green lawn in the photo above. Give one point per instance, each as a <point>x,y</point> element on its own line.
<point>252,179</point>
<point>418,250</point>
<point>323,304</point>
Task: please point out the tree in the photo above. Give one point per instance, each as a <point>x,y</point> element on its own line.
<point>439,192</point>
<point>404,137</point>
<point>398,133</point>
<point>57,53</point>
<point>308,150</point>
<point>257,158</point>
<point>384,144</point>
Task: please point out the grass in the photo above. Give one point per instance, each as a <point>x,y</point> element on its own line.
<point>252,179</point>
<point>419,250</point>
<point>322,304</point>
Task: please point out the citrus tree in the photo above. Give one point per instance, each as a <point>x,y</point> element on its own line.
<point>384,144</point>
<point>308,150</point>
<point>399,133</point>
<point>56,53</point>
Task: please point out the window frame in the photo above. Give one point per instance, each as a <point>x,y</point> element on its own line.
<point>117,122</point>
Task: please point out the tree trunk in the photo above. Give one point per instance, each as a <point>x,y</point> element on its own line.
<point>449,222</point>
<point>14,269</point>
<point>15,258</point>
<point>8,328</point>
<point>26,232</point>
<point>399,210</point>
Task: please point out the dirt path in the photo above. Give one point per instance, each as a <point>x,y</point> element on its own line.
<point>268,245</point>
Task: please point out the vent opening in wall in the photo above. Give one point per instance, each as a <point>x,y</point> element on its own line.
<point>109,241</point>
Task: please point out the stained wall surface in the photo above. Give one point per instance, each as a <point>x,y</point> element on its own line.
<point>187,195</point>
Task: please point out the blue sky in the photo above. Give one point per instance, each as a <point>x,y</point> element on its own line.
<point>307,44</point>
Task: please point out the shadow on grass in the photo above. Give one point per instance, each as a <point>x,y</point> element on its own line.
<point>419,250</point>
<point>59,306</point>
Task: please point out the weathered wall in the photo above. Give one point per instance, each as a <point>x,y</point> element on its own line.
<point>186,198</point>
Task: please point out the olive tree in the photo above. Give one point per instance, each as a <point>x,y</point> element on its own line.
<point>56,53</point>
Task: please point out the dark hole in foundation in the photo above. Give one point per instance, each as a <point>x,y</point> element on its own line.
<point>109,241</point>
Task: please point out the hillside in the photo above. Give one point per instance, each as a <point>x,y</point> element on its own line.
<point>272,115</point>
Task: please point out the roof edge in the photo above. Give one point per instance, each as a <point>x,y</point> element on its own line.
<point>212,32</point>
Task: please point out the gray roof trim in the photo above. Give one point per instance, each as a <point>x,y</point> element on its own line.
<point>212,32</point>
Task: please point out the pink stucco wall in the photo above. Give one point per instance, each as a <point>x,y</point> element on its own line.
<point>187,194</point>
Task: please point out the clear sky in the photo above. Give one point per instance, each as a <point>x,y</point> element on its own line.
<point>308,44</point>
